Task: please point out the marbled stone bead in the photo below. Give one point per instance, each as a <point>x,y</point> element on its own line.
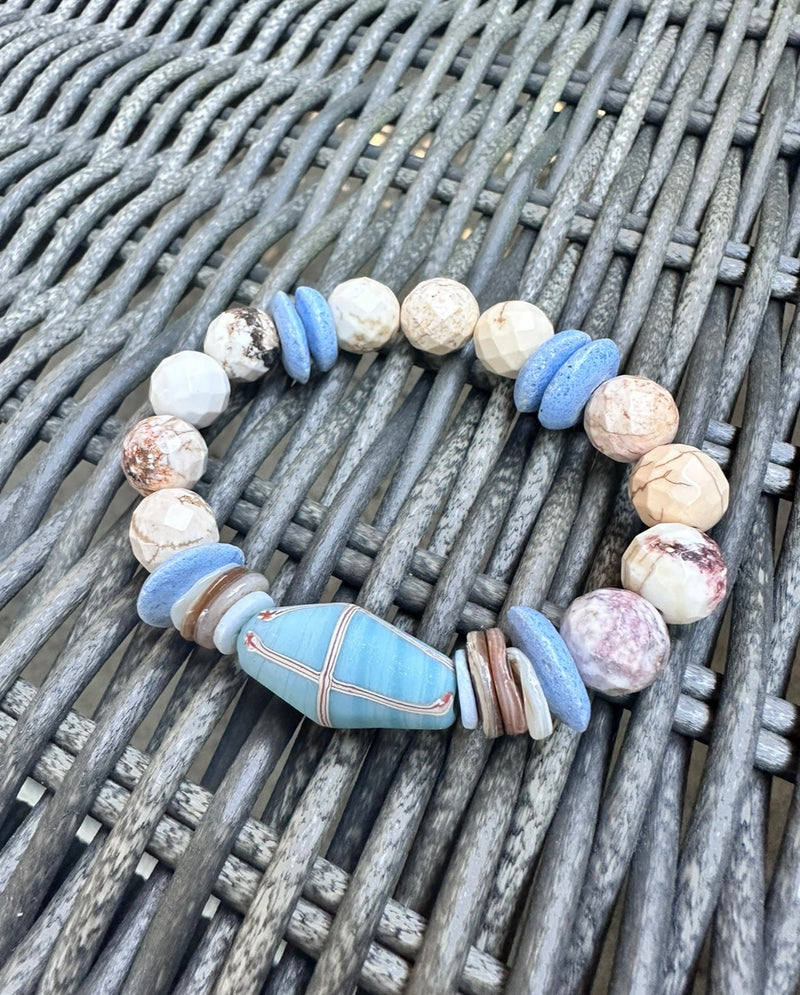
<point>202,618</point>
<point>317,318</point>
<point>485,693</point>
<point>191,386</point>
<point>244,341</point>
<point>507,333</point>
<point>628,416</point>
<point>619,642</point>
<point>182,604</point>
<point>295,353</point>
<point>538,639</point>
<point>537,713</point>
<point>678,483</point>
<point>236,617</point>
<point>439,315</point>
<point>167,522</point>
<point>509,696</point>
<point>575,382</point>
<point>345,668</point>
<point>163,451</point>
<point>366,314</point>
<point>543,364</point>
<point>173,579</point>
<point>467,705</point>
<point>678,569</point>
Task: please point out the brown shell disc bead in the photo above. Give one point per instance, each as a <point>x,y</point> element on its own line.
<point>509,698</point>
<point>480,672</point>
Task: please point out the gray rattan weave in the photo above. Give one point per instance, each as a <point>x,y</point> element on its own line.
<point>629,165</point>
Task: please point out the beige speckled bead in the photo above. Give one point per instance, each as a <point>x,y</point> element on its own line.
<point>163,451</point>
<point>508,333</point>
<point>366,314</point>
<point>244,341</point>
<point>678,569</point>
<point>627,416</point>
<point>168,521</point>
<point>439,315</point>
<point>679,484</point>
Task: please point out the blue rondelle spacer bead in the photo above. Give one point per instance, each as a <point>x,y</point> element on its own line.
<point>319,326</point>
<point>575,382</point>
<point>543,364</point>
<point>295,356</point>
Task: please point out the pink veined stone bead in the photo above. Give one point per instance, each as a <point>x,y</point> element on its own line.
<point>169,521</point>
<point>679,484</point>
<point>628,416</point>
<point>678,569</point>
<point>163,451</point>
<point>619,642</point>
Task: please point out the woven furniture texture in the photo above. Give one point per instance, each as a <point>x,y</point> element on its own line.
<point>629,165</point>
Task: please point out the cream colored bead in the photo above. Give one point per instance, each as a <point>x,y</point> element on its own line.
<point>163,451</point>
<point>679,484</point>
<point>627,416</point>
<point>190,385</point>
<point>439,316</point>
<point>244,341</point>
<point>508,333</point>
<point>366,314</point>
<point>167,522</point>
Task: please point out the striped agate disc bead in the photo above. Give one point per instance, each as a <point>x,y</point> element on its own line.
<point>508,694</point>
<point>537,713</point>
<point>488,705</point>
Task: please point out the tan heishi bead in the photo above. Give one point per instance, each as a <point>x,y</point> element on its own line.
<point>485,695</point>
<point>678,483</point>
<point>507,333</point>
<point>628,416</point>
<point>167,522</point>
<point>439,315</point>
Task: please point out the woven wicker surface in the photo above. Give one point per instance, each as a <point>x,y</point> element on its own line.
<point>627,164</point>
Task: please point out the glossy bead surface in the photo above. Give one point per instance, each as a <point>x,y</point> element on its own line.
<point>366,314</point>
<point>539,640</point>
<point>678,569</point>
<point>509,695</point>
<point>317,318</point>
<point>439,315</point>
<point>619,641</point>
<point>244,341</point>
<point>235,618</point>
<point>542,365</point>
<point>507,333</point>
<point>163,451</point>
<point>167,522</point>
<point>537,713</point>
<point>173,579</point>
<point>182,604</point>
<point>628,416</point>
<point>679,484</point>
<point>467,705</point>
<point>191,386</point>
<point>345,668</point>
<point>575,381</point>
<point>295,353</point>
<point>215,608</point>
<point>491,720</point>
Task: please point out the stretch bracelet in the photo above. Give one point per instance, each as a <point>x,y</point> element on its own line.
<point>344,667</point>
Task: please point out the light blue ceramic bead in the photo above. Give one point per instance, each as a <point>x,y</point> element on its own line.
<point>317,319</point>
<point>173,579</point>
<point>563,688</point>
<point>294,346</point>
<point>467,704</point>
<point>575,382</point>
<point>543,364</point>
<point>345,668</point>
<point>235,618</point>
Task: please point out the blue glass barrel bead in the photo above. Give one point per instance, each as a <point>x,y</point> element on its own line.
<point>318,323</point>
<point>345,668</point>
<point>294,345</point>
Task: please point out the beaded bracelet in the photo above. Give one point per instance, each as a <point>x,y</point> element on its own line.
<point>342,666</point>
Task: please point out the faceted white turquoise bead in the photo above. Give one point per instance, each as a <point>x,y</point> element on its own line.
<point>345,668</point>
<point>190,385</point>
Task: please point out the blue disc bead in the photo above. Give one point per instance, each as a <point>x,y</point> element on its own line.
<point>575,382</point>
<point>320,329</point>
<point>543,364</point>
<point>294,345</point>
<point>563,688</point>
<point>173,579</point>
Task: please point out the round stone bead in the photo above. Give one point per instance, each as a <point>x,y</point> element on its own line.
<point>439,316</point>
<point>619,642</point>
<point>678,569</point>
<point>244,341</point>
<point>679,484</point>
<point>163,451</point>
<point>190,385</point>
<point>507,333</point>
<point>167,522</point>
<point>366,314</point>
<point>627,416</point>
